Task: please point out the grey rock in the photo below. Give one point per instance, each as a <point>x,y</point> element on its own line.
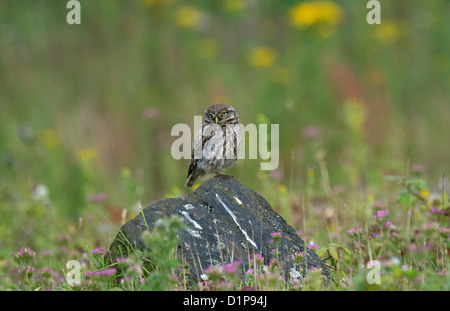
<point>226,220</point>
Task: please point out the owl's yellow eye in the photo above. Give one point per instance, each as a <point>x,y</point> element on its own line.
<point>224,113</point>
<point>210,115</point>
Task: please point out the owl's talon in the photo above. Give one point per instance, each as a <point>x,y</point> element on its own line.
<point>224,176</point>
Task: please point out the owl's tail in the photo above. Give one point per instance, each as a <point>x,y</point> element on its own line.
<point>193,174</point>
<point>191,180</point>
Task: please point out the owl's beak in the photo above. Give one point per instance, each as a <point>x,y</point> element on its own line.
<point>217,120</point>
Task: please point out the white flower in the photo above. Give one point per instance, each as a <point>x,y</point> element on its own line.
<point>204,277</point>
<point>40,193</point>
<point>294,273</point>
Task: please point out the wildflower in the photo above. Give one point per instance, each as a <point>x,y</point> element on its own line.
<point>122,260</point>
<point>250,272</point>
<point>102,273</point>
<point>406,267</point>
<point>381,214</point>
<point>262,56</point>
<point>311,13</point>
<point>41,193</point>
<point>150,113</point>
<point>187,17</point>
<point>312,245</point>
<point>84,285</point>
<point>86,154</point>
<point>125,171</point>
<point>282,188</point>
<point>231,268</point>
<point>418,168</point>
<point>214,273</point>
<point>311,132</point>
<point>233,5</point>
<point>354,231</point>
<point>142,281</point>
<point>25,271</point>
<point>294,274</point>
<point>204,277</point>
<point>435,210</point>
<point>50,138</point>
<point>257,258</point>
<point>96,198</point>
<point>46,278</point>
<point>273,263</point>
<point>444,230</point>
<point>63,238</point>
<point>425,193</point>
<point>47,273</point>
<point>24,256</point>
<point>387,32</point>
<point>98,251</point>
<point>299,256</point>
<point>276,174</point>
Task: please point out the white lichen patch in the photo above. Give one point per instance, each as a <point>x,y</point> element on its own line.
<point>236,221</point>
<point>194,233</point>
<point>188,218</point>
<point>237,200</point>
<point>189,206</point>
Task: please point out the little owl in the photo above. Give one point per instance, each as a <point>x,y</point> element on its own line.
<point>216,145</point>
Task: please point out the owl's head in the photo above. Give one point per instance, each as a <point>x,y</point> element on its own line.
<point>221,114</point>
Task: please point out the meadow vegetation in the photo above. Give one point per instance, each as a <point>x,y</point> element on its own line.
<point>86,112</point>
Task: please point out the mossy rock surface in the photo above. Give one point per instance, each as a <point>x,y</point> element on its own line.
<point>226,220</point>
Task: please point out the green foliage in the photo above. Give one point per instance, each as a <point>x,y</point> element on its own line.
<point>162,242</point>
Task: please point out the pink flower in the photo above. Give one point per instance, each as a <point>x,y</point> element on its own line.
<point>97,198</point>
<point>277,174</point>
<point>105,272</point>
<point>258,258</point>
<point>151,113</point>
<point>232,267</point>
<point>311,132</point>
<point>381,214</point>
<point>98,251</point>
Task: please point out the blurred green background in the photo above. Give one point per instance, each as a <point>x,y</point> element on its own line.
<point>86,110</point>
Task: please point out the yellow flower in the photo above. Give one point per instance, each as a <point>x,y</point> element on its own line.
<point>187,17</point>
<point>87,154</point>
<point>262,118</point>
<point>282,188</point>
<point>125,171</point>
<point>387,32</point>
<point>233,5</point>
<point>425,193</point>
<point>262,56</point>
<point>208,48</point>
<point>311,13</point>
<point>50,138</point>
<point>310,172</point>
<point>355,112</point>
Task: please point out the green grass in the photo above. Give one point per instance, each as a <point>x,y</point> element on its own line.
<point>86,112</point>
